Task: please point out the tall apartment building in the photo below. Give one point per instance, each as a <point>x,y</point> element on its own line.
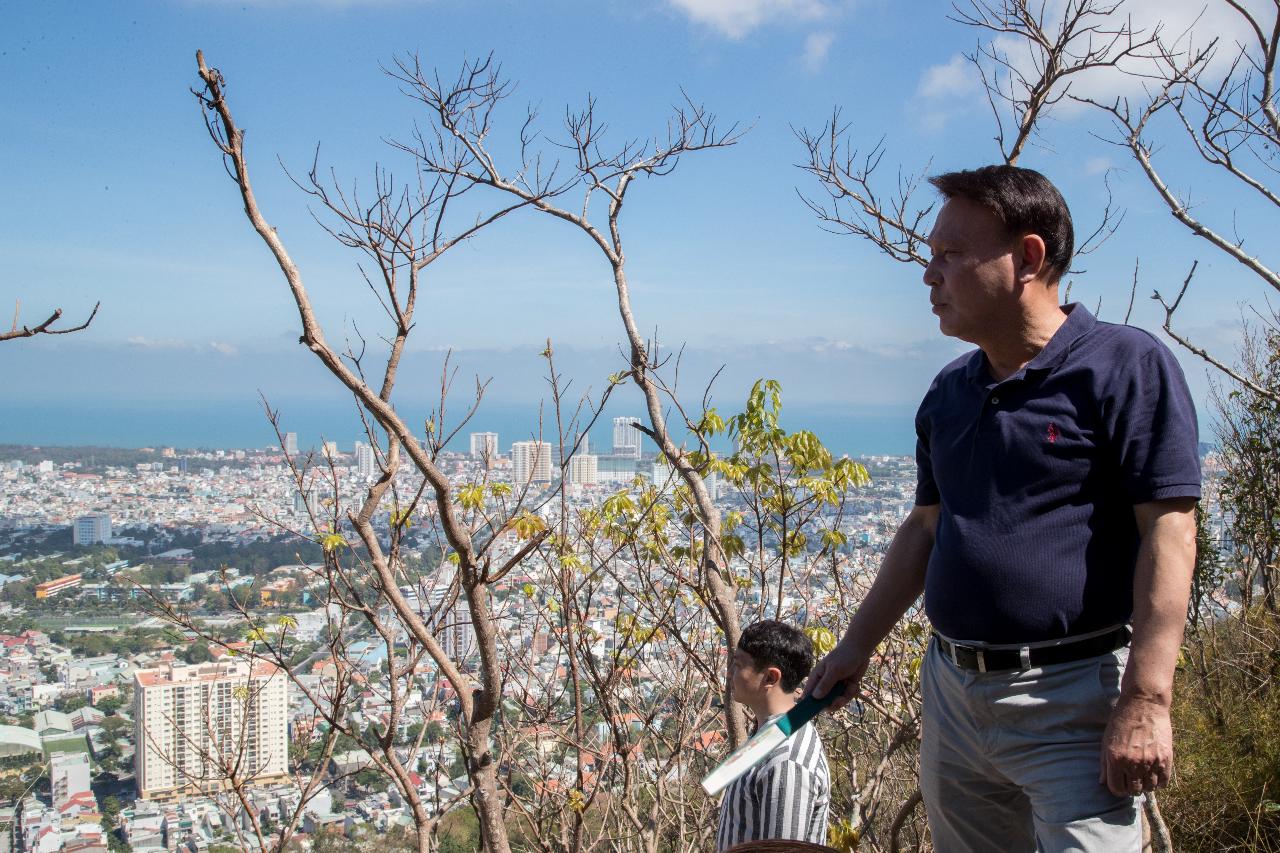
<point>291,443</point>
<point>530,462</point>
<point>626,437</point>
<point>91,529</point>
<point>484,447</point>
<point>366,464</point>
<point>184,716</point>
<point>583,470</point>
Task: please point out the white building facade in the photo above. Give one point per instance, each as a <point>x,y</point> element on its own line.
<point>91,529</point>
<point>184,716</point>
<point>484,447</point>
<point>530,462</point>
<point>366,465</point>
<point>626,437</point>
<point>583,470</point>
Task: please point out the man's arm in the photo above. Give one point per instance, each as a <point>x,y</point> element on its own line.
<point>1137,748</point>
<point>898,583</point>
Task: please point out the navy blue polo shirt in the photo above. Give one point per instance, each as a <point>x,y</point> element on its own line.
<point>1037,477</point>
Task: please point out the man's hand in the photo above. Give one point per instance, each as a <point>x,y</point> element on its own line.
<point>1137,748</point>
<point>843,663</point>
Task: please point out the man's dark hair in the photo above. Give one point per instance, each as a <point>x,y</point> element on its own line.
<point>1025,201</point>
<point>772,643</point>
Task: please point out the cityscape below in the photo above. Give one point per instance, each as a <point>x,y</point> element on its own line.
<point>131,580</point>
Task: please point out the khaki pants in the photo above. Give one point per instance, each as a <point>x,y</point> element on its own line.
<point>1009,760</point>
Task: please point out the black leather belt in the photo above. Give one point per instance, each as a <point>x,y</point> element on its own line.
<point>987,659</point>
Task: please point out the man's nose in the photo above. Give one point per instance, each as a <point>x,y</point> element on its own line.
<point>930,276</point>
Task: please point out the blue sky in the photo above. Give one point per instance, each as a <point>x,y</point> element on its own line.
<point>114,193</point>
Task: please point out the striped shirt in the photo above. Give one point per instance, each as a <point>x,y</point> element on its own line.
<point>786,795</point>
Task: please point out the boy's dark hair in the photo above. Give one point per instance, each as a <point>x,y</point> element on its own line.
<point>772,643</point>
<point>1025,201</point>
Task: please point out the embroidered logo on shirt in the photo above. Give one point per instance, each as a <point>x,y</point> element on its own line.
<point>1052,432</point>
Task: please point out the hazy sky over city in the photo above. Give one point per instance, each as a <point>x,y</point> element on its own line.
<point>114,192</point>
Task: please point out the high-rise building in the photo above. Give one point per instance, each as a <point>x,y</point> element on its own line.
<point>626,437</point>
<point>185,716</point>
<point>91,529</point>
<point>291,443</point>
<point>366,465</point>
<point>329,449</point>
<point>530,462</point>
<point>484,447</point>
<point>583,470</point>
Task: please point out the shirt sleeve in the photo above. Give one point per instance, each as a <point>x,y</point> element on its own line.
<point>788,795</point>
<point>926,488</point>
<point>1154,429</point>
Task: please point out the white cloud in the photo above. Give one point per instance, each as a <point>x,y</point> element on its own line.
<point>736,18</point>
<point>174,344</point>
<point>816,47</point>
<point>1097,165</point>
<point>223,348</point>
<point>143,342</point>
<point>954,78</point>
<point>1183,25</point>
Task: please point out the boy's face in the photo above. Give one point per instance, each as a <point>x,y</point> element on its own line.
<point>750,683</point>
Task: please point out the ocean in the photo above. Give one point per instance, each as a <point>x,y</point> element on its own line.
<point>241,423</point>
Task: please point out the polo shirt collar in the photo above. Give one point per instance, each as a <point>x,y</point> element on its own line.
<point>1079,321</point>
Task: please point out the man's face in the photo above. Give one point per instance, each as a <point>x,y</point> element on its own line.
<point>971,275</point>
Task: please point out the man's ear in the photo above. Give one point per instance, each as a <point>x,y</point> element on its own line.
<point>1029,258</point>
<point>773,677</point>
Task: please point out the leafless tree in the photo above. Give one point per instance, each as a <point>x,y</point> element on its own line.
<point>1219,99</point>
<point>1028,63</point>
<point>600,179</point>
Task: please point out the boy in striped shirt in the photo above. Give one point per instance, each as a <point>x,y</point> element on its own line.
<point>788,793</point>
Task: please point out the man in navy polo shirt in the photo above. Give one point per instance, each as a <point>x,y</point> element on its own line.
<point>1057,475</point>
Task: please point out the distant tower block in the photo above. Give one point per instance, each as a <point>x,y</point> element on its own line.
<point>187,716</point>
<point>626,437</point>
<point>531,462</point>
<point>366,464</point>
<point>291,443</point>
<point>583,470</point>
<point>484,447</point>
<point>91,529</point>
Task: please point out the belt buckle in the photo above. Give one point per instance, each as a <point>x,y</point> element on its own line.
<point>982,660</point>
<point>955,660</point>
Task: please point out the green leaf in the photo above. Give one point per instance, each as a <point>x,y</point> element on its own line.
<point>527,525</point>
<point>471,497</point>
<point>823,639</point>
